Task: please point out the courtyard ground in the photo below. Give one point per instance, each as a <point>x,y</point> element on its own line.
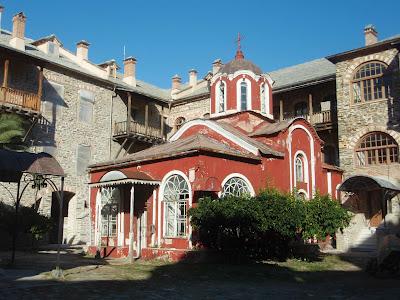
<point>332,277</point>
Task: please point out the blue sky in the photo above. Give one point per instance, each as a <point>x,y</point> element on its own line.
<point>171,37</point>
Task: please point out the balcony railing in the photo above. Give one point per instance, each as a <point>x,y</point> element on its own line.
<point>317,118</point>
<point>121,128</point>
<point>20,98</point>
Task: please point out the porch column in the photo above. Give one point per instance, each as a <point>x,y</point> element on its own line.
<point>153,217</point>
<point>131,218</point>
<point>310,107</point>
<point>129,113</point>
<point>280,110</point>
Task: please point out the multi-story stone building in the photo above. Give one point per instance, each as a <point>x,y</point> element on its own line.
<point>84,113</point>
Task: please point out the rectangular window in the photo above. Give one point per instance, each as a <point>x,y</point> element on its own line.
<point>86,105</point>
<point>82,159</point>
<point>53,100</point>
<point>109,220</point>
<point>175,218</point>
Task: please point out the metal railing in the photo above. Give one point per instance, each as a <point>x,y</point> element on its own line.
<point>121,128</point>
<point>20,98</point>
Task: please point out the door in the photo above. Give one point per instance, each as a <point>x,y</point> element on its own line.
<point>375,208</point>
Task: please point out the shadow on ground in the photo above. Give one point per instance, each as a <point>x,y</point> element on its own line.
<point>86,278</point>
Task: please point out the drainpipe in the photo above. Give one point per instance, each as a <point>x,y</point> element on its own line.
<point>113,95</point>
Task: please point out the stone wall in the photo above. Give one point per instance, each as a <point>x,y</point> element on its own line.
<point>355,120</point>
<point>190,110</point>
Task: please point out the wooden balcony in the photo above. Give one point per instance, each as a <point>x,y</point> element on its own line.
<point>320,120</point>
<point>17,100</point>
<point>138,131</point>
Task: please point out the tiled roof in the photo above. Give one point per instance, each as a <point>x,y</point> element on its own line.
<point>191,144</point>
<point>296,75</point>
<point>240,64</point>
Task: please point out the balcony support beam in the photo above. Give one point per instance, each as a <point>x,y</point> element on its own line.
<point>5,77</point>
<point>162,122</point>
<point>146,117</point>
<point>310,107</point>
<point>40,83</point>
<point>129,113</point>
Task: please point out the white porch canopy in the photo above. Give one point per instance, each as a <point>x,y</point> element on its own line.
<point>113,178</point>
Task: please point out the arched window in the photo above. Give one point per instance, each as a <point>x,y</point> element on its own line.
<point>243,95</point>
<point>221,97</point>
<point>300,109</point>
<point>179,122</point>
<point>377,148</point>
<point>369,83</point>
<point>235,186</point>
<point>299,165</point>
<point>175,197</point>
<point>263,99</point>
<point>302,195</point>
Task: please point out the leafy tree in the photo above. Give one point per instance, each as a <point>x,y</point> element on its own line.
<point>264,226</point>
<point>12,131</point>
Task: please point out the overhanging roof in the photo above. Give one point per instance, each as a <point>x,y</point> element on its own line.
<point>368,183</point>
<point>120,177</point>
<point>13,164</point>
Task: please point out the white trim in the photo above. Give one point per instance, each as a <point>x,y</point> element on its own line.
<point>96,219</point>
<point>266,100</point>
<point>248,94</point>
<point>217,97</point>
<point>304,192</point>
<point>214,126</point>
<point>245,72</point>
<point>311,138</point>
<point>153,217</point>
<point>241,176</point>
<point>160,200</point>
<point>329,182</point>
<point>123,181</point>
<point>306,175</point>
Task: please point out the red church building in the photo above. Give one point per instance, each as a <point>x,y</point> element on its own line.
<point>139,203</point>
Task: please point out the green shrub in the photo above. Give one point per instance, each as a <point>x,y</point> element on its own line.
<point>265,225</point>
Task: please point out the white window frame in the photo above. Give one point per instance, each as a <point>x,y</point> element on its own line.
<point>241,176</point>
<point>238,93</point>
<point>300,154</point>
<point>218,96</point>
<point>163,205</point>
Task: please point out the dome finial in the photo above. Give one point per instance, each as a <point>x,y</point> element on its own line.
<point>239,53</point>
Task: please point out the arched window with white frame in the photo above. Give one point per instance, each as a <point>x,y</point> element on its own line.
<point>220,97</point>
<point>263,99</point>
<point>243,92</point>
<point>299,168</point>
<point>176,196</point>
<point>236,185</point>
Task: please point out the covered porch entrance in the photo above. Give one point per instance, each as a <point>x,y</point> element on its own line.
<point>370,199</point>
<point>120,220</point>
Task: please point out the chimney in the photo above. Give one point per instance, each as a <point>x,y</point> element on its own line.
<point>192,77</point>
<point>371,35</point>
<point>130,70</point>
<point>216,66</point>
<point>176,83</point>
<point>18,32</point>
<point>82,49</point>
<point>1,13</point>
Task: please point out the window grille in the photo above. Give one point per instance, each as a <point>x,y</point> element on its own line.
<point>377,148</point>
<point>235,186</point>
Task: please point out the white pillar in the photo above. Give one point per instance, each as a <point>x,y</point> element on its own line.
<point>153,217</point>
<point>131,219</point>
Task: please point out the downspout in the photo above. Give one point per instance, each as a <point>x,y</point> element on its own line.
<point>113,95</point>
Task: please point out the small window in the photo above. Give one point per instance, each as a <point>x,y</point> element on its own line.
<point>301,109</point>
<point>299,165</point>
<point>221,97</point>
<point>179,122</point>
<point>86,105</point>
<point>243,95</point>
<point>82,159</point>
<point>236,187</point>
<point>370,83</point>
<point>377,148</point>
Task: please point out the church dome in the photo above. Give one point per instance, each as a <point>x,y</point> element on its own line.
<point>238,64</point>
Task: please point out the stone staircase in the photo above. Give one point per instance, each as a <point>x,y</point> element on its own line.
<point>365,241</point>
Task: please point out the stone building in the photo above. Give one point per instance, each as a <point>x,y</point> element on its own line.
<point>85,113</point>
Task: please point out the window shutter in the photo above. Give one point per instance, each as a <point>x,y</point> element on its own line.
<point>86,103</point>
<point>82,159</point>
